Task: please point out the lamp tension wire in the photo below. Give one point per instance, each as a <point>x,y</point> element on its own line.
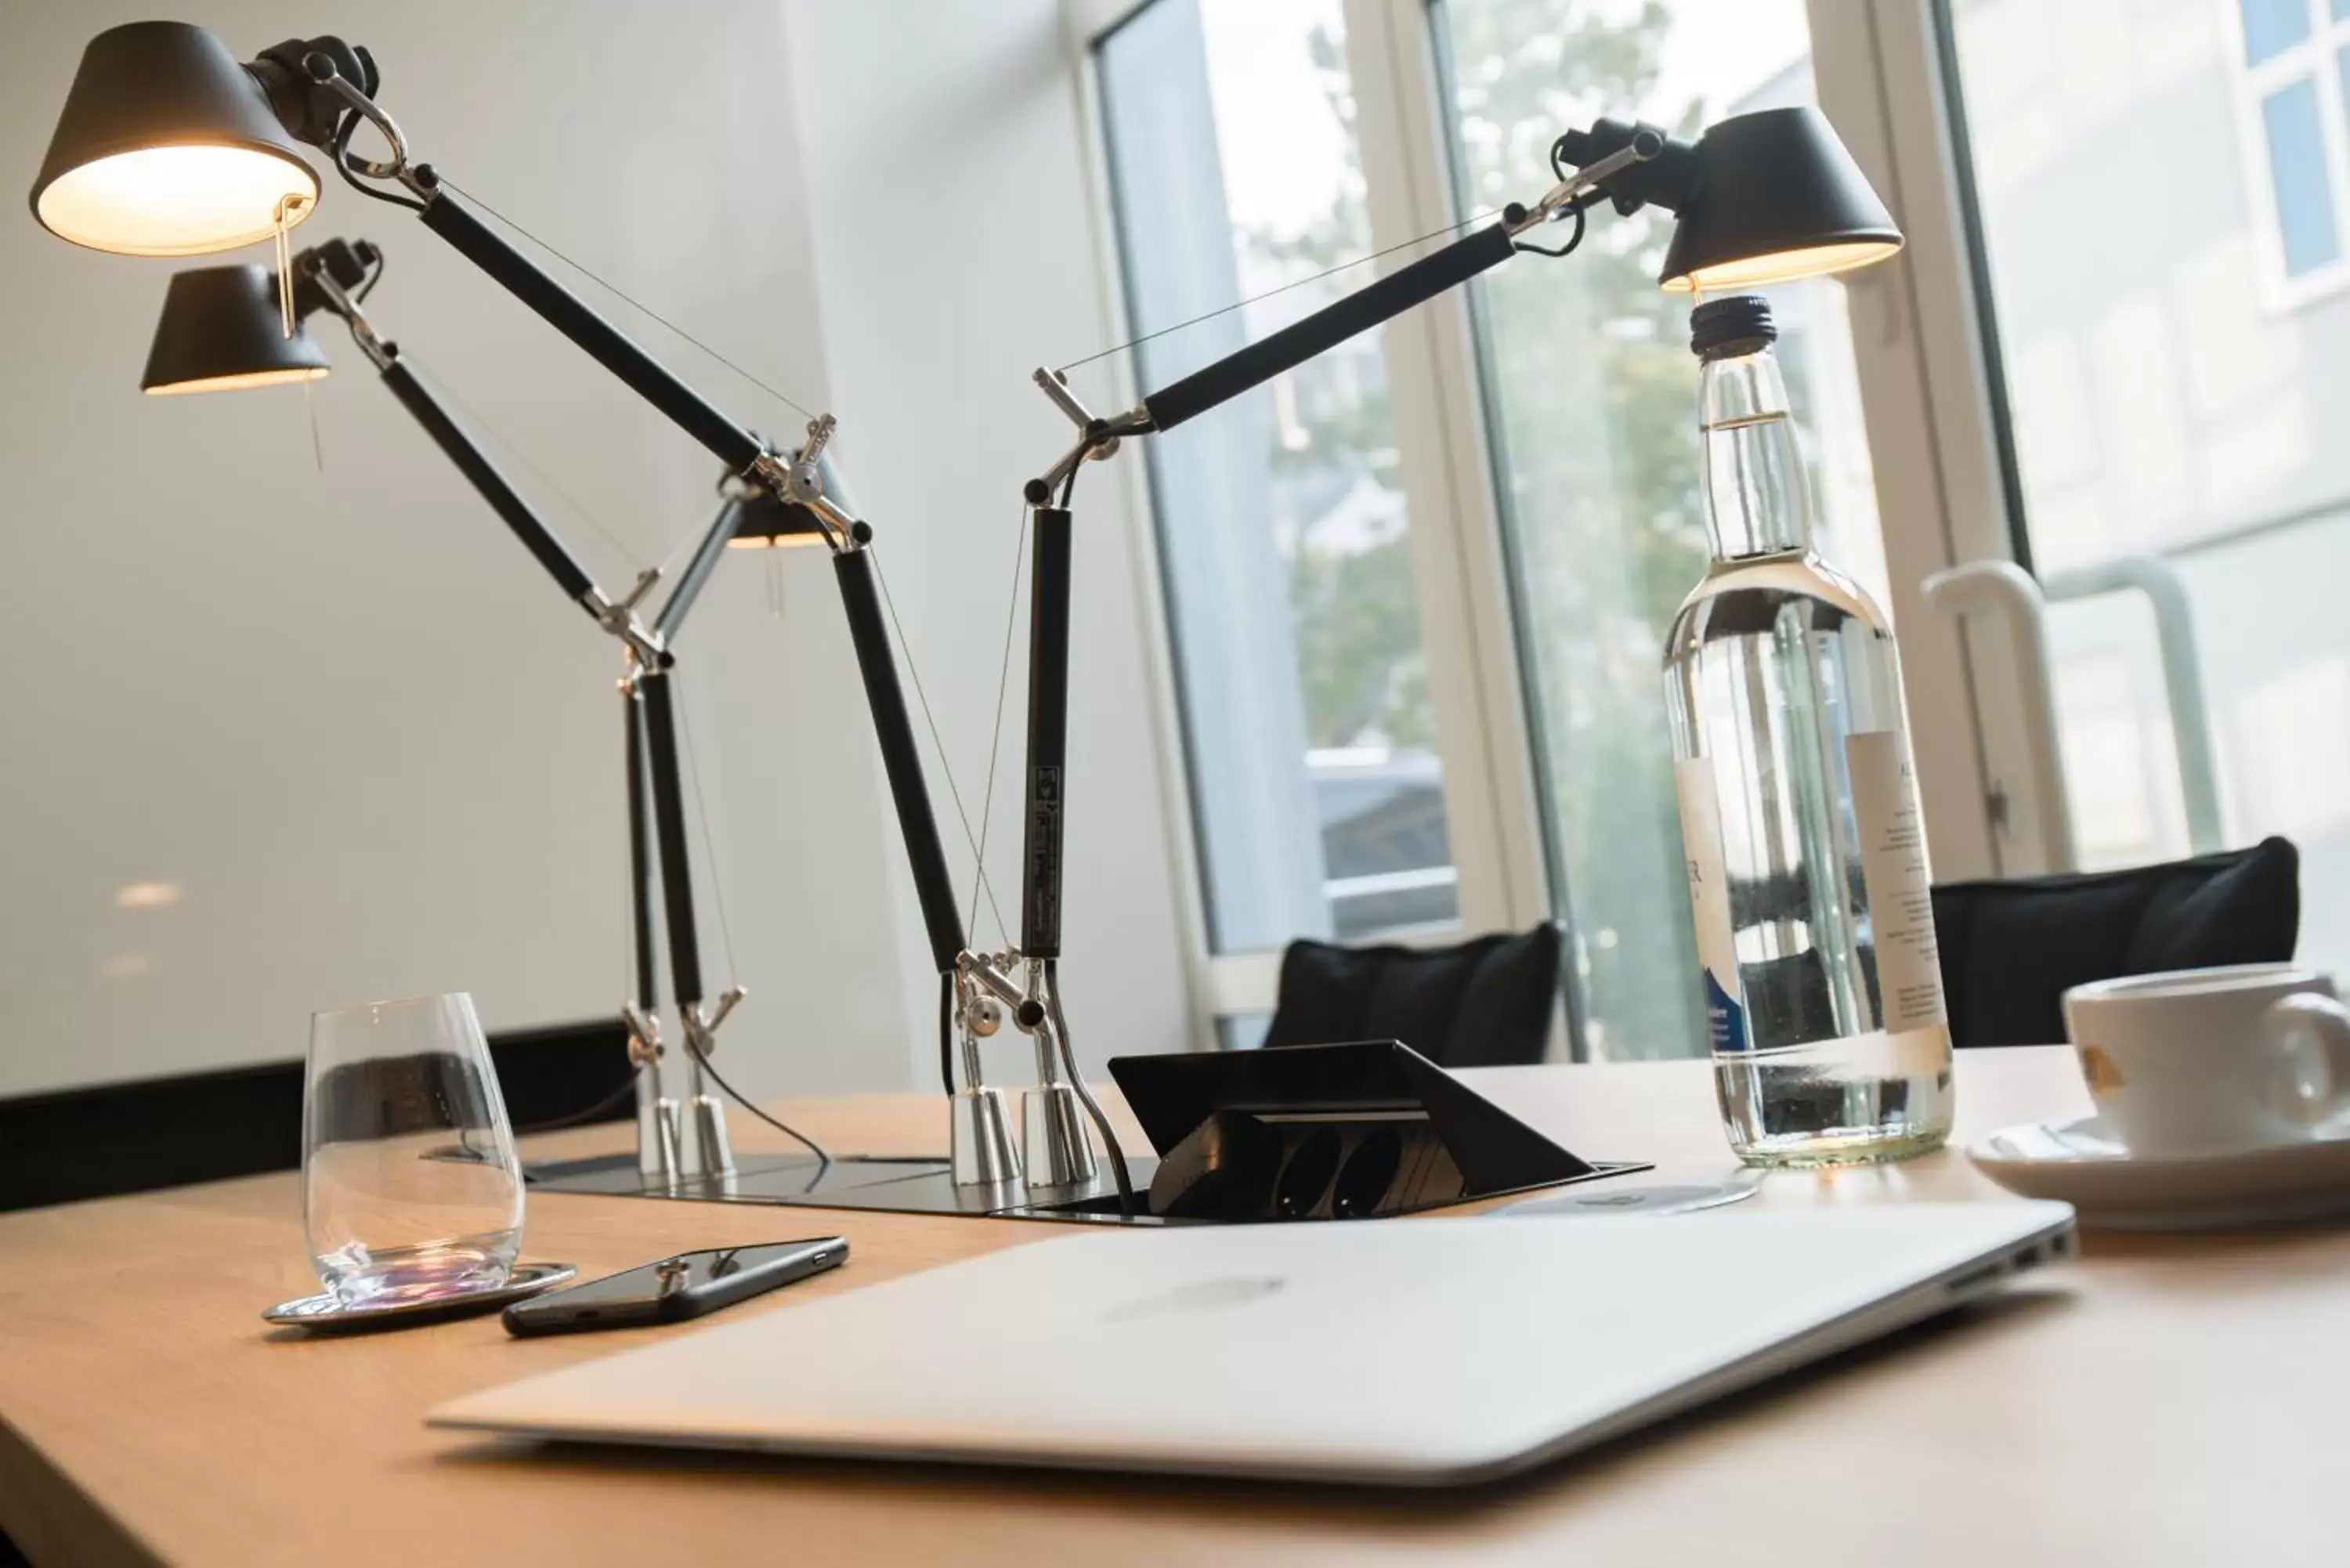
<point>622,295</point>
<point>922,698</point>
<point>1451,228</point>
<point>995,735</point>
<point>474,416</point>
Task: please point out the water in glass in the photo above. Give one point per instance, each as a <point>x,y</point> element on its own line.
<point>411,1186</point>
<point>1806,855</point>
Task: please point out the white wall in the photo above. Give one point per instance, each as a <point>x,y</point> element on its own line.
<point>955,251</point>
<point>346,712</point>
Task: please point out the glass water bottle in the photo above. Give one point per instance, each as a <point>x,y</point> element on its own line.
<point>1805,850</point>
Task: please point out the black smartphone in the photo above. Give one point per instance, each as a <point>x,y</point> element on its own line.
<point>675,1288</point>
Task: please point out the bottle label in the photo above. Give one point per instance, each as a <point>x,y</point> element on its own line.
<point>1709,890</point>
<point>1897,879</point>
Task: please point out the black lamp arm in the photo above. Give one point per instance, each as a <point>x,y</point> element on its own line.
<point>706,556</point>
<point>1048,614</point>
<point>1257,363</point>
<point>669,837</point>
<point>449,217</point>
<point>1614,151</point>
<point>1048,735</point>
<point>1633,163</point>
<point>901,763</point>
<point>640,878</point>
<point>475,465</point>
<point>742,454</point>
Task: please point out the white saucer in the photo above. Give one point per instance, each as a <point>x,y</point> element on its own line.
<point>2079,1162</point>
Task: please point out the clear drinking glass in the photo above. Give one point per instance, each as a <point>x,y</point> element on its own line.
<point>410,1184</point>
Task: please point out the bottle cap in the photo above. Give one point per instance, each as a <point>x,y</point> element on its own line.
<point>1735,323</point>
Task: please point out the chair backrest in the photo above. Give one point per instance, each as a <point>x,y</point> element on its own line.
<point>1483,1004</point>
<point>2010,948</point>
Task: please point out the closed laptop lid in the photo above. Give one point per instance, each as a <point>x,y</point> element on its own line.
<point>1404,1352</point>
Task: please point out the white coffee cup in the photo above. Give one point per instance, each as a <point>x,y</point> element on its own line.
<point>2204,1060</point>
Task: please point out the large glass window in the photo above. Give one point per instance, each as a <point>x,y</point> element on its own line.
<point>1283,536</point>
<point>1591,406</point>
<point>2174,406</point>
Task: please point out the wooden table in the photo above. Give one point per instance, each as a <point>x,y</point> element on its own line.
<point>2164,1400</point>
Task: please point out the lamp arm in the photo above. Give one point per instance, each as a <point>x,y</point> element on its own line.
<point>1439,272</point>
<point>901,762</point>
<point>449,217</point>
<point>1048,735</point>
<point>706,556</point>
<point>641,877</point>
<point>475,465</point>
<point>1254,364</point>
<point>744,456</point>
<point>1210,387</point>
<point>669,837</point>
<point>321,284</point>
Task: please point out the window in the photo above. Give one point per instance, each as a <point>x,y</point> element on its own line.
<point>2185,503</point>
<point>2157,432</point>
<point>2293,58</point>
<point>1590,393</point>
<point>1317,792</point>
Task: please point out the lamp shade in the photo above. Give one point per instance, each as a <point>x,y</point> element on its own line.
<point>1774,196</point>
<point>167,147</point>
<point>765,522</point>
<point>222,329</point>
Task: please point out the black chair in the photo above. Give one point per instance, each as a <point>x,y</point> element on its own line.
<point>1484,1004</point>
<point>2010,948</point>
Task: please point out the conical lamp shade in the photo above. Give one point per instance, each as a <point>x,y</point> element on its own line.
<point>1776,197</point>
<point>167,147</point>
<point>766,523</point>
<point>222,329</point>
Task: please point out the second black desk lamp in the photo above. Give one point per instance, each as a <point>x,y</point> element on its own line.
<point>232,328</point>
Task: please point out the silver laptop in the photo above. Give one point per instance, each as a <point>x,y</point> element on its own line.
<point>1405,1352</point>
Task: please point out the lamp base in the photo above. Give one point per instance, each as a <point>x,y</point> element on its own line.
<point>895,1184</point>
<point>1056,1150</point>
<point>1379,1129</point>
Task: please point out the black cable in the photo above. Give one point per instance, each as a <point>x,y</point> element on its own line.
<point>823,1155</point>
<point>366,284</point>
<point>946,1034</point>
<point>578,1118</point>
<point>341,150</point>
<point>1069,485</point>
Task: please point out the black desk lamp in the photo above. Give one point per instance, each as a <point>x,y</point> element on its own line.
<point>1761,198</point>
<point>167,145</point>
<point>223,328</point>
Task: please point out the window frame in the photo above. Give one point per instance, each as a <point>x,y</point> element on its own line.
<point>1467,630</point>
<point>1934,430</point>
<point>2250,87</point>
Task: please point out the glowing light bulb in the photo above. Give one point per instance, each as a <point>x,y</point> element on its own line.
<point>240,381</point>
<point>1783,266</point>
<point>176,201</point>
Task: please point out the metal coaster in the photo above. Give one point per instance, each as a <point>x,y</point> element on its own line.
<point>323,1313</point>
